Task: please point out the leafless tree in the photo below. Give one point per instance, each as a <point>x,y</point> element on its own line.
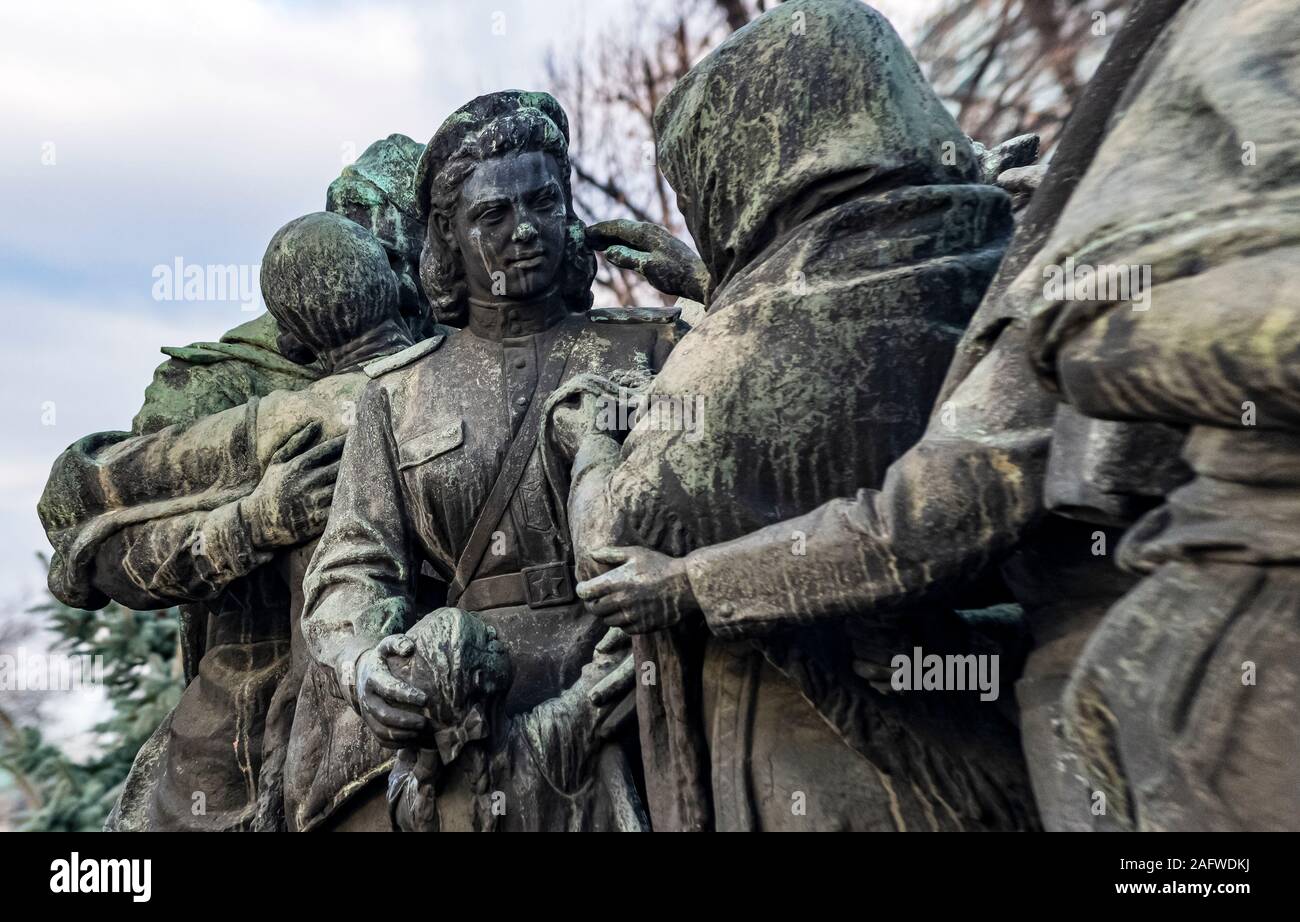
<point>1006,67</point>
<point>1010,67</point>
<point>610,89</point>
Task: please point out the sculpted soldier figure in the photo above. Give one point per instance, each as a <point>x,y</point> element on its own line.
<point>969,497</point>
<point>248,363</point>
<point>444,471</point>
<point>848,239</point>
<point>199,512</point>
<point>1183,703</point>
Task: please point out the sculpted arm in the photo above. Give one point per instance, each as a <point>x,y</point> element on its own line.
<point>195,555</point>
<point>1209,348</point>
<point>181,558</point>
<point>953,503</point>
<point>359,587</point>
<point>176,515</point>
<point>586,425</point>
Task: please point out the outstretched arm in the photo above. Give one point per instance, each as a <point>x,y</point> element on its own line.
<point>194,556</point>
<point>653,252</point>
<point>958,499</point>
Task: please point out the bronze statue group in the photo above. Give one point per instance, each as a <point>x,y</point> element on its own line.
<point>431,580</point>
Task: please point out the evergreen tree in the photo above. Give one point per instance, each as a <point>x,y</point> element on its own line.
<point>142,682</point>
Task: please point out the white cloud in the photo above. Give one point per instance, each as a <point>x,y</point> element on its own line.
<point>191,128</point>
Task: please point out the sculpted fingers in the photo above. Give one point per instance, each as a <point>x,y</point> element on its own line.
<point>627,258</point>
<point>612,554</point>
<point>321,477</point>
<point>393,690</point>
<point>297,443</point>
<point>606,582</point>
<point>615,580</point>
<point>390,736</point>
<point>395,718</point>
<point>621,230</point>
<point>613,641</point>
<point>396,645</point>
<point>614,686</point>
<point>325,453</point>
<point>606,606</point>
<point>603,234</point>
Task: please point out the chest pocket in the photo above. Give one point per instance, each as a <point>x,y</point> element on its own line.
<point>428,445</point>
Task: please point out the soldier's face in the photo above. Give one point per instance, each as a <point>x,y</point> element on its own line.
<point>510,226</point>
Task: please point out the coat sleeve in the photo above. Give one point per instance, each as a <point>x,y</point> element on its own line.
<point>1211,349</point>
<point>182,392</point>
<point>359,587</point>
<point>951,505</point>
<point>182,558</point>
<point>118,507</point>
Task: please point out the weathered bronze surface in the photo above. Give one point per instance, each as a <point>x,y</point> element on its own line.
<point>899,534</point>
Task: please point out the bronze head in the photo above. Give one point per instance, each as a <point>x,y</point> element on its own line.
<point>378,192</point>
<point>327,282</point>
<point>494,183</point>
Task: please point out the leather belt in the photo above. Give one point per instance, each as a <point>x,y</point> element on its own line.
<point>542,586</point>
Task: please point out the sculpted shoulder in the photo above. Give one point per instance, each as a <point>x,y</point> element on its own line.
<point>648,334</point>
<point>407,357</point>
<point>634,315</point>
<point>414,377</point>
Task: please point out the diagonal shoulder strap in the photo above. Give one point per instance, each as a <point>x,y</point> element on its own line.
<point>521,449</point>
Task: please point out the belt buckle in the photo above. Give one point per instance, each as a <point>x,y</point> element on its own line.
<point>548,584</point>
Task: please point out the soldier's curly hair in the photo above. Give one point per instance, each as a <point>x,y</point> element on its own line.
<point>442,269</point>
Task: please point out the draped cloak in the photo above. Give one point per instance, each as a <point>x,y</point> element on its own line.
<point>836,205</point>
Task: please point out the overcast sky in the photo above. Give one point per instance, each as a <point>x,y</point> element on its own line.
<point>137,132</point>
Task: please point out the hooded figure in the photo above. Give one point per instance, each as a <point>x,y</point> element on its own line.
<point>1184,702</point>
<point>848,240</point>
<point>963,503</point>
